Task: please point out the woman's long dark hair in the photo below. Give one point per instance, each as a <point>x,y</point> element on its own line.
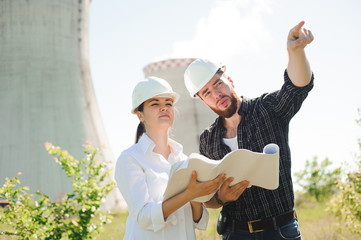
<point>141,127</point>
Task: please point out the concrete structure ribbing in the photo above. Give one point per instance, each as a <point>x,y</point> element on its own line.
<point>46,91</point>
<point>192,116</point>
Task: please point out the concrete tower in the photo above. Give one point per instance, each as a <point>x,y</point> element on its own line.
<point>192,116</point>
<point>46,91</point>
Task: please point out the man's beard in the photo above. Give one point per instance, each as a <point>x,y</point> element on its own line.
<point>231,110</point>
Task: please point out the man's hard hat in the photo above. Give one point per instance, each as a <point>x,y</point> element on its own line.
<point>198,73</point>
<point>149,88</point>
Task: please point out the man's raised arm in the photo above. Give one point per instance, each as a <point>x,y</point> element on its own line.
<point>298,67</point>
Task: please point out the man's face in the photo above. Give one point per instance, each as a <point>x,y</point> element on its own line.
<point>219,95</point>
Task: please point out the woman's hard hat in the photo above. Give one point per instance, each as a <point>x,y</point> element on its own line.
<point>198,73</point>
<point>149,88</point>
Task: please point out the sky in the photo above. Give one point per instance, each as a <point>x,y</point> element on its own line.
<point>249,37</point>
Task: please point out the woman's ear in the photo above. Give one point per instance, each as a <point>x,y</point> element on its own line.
<point>140,116</point>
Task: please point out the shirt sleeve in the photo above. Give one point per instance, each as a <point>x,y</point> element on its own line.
<point>286,102</point>
<point>202,144</point>
<point>131,181</point>
<point>202,224</point>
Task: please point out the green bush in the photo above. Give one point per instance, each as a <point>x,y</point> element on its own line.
<point>317,180</point>
<point>34,216</point>
<point>347,204</point>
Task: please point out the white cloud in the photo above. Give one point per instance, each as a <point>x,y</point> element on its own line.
<point>231,28</point>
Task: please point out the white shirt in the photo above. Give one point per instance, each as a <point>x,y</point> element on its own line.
<point>232,143</point>
<point>142,176</point>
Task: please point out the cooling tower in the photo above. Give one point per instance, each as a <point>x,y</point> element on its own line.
<point>46,91</point>
<point>192,116</point>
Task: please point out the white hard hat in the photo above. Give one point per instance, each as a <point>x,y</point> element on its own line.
<point>149,88</point>
<point>198,73</point>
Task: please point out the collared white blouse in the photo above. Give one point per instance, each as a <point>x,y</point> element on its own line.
<point>142,176</point>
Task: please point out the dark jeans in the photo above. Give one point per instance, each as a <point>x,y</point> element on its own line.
<point>289,231</point>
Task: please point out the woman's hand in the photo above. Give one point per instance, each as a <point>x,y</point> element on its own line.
<point>195,189</point>
<point>198,189</point>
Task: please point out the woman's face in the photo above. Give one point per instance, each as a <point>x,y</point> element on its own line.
<point>158,112</point>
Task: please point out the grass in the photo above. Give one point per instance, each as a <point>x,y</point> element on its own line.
<point>315,224</point>
<point>211,231</point>
<point>116,229</point>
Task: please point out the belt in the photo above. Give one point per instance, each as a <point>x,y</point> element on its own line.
<point>263,224</point>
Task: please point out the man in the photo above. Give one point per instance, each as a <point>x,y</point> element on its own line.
<point>251,124</point>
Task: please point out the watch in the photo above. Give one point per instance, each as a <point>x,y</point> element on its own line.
<point>219,201</point>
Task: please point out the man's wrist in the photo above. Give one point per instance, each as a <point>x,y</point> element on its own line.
<point>219,201</point>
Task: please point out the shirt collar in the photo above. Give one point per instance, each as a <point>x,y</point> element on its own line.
<point>176,148</point>
<point>244,106</point>
<point>147,145</point>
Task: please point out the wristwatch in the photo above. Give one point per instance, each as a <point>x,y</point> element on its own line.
<point>219,201</point>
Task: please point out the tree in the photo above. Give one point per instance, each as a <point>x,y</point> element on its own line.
<point>347,204</point>
<point>317,180</point>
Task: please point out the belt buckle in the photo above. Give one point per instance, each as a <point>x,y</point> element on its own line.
<point>250,227</point>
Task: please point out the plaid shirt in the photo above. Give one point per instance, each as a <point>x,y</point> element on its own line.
<point>264,120</point>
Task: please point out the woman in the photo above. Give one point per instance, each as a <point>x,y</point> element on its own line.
<point>142,171</point>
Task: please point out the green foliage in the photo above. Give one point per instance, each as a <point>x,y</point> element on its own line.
<point>34,216</point>
<point>347,204</point>
<point>317,180</point>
